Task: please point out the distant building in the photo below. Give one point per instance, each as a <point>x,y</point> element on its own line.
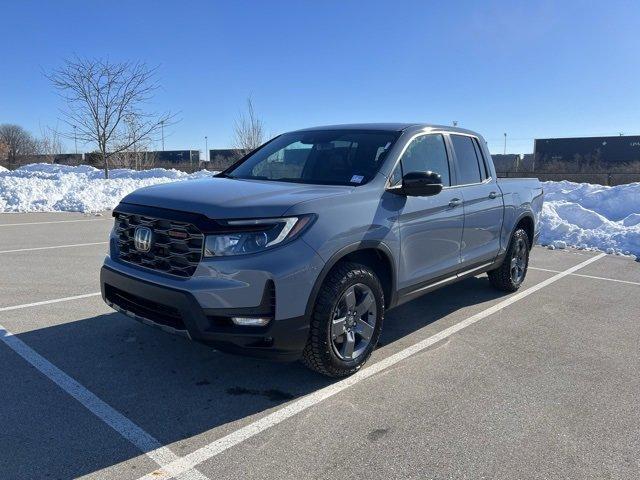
<point>177,156</point>
<point>587,150</point>
<point>513,162</point>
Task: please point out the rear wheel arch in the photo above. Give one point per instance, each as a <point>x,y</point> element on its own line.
<point>516,257</point>
<point>526,223</point>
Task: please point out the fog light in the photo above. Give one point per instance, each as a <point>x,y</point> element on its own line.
<point>250,321</point>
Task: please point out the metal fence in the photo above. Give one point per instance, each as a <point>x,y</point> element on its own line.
<point>607,178</point>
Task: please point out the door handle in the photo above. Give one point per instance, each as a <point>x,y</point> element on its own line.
<point>493,195</point>
<point>454,202</point>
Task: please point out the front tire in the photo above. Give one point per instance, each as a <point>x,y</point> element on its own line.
<point>346,321</point>
<point>509,276</point>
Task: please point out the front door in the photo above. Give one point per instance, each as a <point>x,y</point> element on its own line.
<point>430,228</point>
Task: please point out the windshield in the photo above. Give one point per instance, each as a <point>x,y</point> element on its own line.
<point>338,157</point>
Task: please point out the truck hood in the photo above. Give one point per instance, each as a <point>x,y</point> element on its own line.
<point>221,198</point>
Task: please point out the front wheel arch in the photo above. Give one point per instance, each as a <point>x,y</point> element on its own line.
<point>357,253</point>
<point>322,353</point>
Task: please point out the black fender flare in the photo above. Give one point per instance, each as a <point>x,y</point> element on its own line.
<point>503,251</point>
<point>339,255</point>
<point>523,215</point>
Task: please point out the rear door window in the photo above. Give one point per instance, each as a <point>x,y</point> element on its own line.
<point>468,166</point>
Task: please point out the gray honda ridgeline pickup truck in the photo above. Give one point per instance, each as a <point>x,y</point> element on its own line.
<point>297,250</point>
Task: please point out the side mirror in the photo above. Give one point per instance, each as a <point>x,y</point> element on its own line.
<point>421,184</point>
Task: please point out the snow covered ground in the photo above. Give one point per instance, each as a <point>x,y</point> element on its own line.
<point>592,216</point>
<point>44,187</point>
<point>578,214</point>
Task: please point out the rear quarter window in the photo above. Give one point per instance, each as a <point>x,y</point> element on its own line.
<point>484,168</point>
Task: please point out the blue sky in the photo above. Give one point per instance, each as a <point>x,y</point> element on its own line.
<point>530,69</point>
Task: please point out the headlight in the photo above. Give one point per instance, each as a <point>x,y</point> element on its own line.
<point>250,236</point>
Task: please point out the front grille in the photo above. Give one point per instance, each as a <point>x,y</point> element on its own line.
<point>176,248</point>
<point>156,312</point>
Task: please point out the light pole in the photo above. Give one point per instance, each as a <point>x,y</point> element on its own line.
<point>75,138</point>
<point>455,123</point>
<point>505,144</point>
<point>162,129</point>
<point>206,148</point>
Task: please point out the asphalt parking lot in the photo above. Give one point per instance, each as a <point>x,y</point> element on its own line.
<point>467,382</point>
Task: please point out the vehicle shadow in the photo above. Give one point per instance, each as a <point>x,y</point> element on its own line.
<point>177,390</point>
<point>414,315</point>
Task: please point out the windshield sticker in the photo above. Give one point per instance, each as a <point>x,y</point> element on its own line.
<point>357,179</point>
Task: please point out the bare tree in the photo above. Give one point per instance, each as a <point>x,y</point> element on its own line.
<point>17,142</point>
<point>135,155</point>
<point>101,97</point>
<point>49,142</point>
<point>248,130</point>
<point>4,152</point>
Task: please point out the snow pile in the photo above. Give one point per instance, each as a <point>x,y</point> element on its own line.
<point>578,214</point>
<point>2,169</point>
<point>592,216</point>
<point>45,187</point>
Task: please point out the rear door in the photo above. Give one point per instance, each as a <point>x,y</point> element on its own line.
<point>483,203</point>
<point>430,228</point>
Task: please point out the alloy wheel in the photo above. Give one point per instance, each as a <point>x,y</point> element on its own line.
<point>518,261</point>
<point>353,322</point>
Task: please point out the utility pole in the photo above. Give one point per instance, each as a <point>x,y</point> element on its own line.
<point>206,148</point>
<point>505,144</point>
<point>75,138</point>
<point>162,129</point>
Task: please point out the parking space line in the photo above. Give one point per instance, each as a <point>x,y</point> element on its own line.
<point>121,424</point>
<point>209,451</point>
<point>54,221</point>
<point>53,247</point>
<point>47,302</point>
<point>587,276</point>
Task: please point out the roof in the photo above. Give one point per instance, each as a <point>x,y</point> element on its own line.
<point>393,127</point>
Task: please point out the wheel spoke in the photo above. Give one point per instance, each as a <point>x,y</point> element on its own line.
<point>364,329</point>
<point>350,298</point>
<point>337,326</point>
<point>348,345</point>
<point>365,303</point>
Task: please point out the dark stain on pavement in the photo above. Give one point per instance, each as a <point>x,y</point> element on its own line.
<point>272,394</point>
<point>377,434</point>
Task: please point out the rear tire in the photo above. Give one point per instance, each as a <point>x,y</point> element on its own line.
<point>509,276</point>
<point>346,321</point>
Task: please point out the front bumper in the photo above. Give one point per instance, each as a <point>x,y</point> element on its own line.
<point>178,311</point>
